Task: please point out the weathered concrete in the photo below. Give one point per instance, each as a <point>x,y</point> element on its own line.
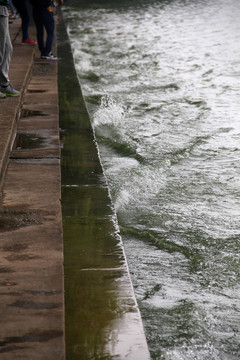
<point>31,256</point>
<point>102,319</point>
<point>20,70</point>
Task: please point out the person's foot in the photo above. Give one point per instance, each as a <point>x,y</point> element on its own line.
<point>9,90</point>
<point>2,96</point>
<point>28,42</point>
<point>49,56</point>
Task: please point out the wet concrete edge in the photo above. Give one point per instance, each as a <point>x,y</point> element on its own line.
<point>129,338</point>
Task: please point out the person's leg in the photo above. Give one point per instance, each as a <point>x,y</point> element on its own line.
<point>22,8</point>
<point>5,51</point>
<point>48,20</point>
<point>37,17</point>
<point>2,49</point>
<point>5,58</point>
<point>12,7</point>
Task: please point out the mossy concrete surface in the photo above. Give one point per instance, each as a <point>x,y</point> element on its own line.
<point>102,316</point>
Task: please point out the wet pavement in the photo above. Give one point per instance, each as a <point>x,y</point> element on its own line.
<point>31,248</point>
<point>102,317</point>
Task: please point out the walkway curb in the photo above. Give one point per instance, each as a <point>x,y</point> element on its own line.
<point>102,316</point>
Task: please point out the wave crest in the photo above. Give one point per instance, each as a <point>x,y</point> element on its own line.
<point>110,112</point>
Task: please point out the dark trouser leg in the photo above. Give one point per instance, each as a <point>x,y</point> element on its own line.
<point>37,16</point>
<point>22,8</point>
<point>48,21</point>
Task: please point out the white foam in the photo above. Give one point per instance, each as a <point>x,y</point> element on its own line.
<point>110,112</point>
<point>193,352</point>
<point>123,200</point>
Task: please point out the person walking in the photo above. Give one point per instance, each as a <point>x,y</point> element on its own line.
<point>6,49</point>
<point>22,8</point>
<point>44,19</point>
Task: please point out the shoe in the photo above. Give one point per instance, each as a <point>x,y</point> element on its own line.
<point>2,96</point>
<point>28,42</point>
<point>9,90</point>
<point>49,56</point>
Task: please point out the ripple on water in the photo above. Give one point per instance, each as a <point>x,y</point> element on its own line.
<point>161,80</point>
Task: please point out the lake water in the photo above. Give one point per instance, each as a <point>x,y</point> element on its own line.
<point>161,80</point>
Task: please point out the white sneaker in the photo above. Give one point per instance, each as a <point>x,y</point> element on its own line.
<point>50,56</point>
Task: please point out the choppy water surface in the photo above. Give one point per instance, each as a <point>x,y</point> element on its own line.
<point>161,81</point>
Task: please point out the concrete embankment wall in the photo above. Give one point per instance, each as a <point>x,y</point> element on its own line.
<point>102,318</point>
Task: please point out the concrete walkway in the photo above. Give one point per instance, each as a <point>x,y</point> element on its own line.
<point>31,249</point>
